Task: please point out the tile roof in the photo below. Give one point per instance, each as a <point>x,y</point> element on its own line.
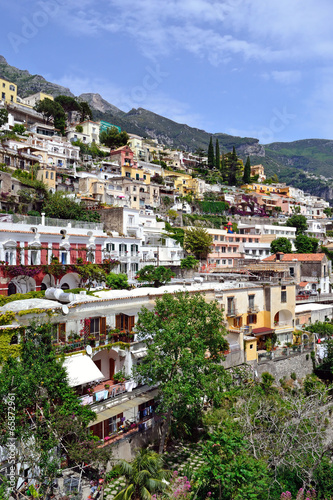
<point>301,257</point>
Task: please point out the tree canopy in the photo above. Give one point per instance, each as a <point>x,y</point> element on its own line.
<point>198,241</point>
<point>52,109</point>
<point>247,171</point>
<point>158,276</point>
<point>306,244</point>
<point>59,205</point>
<point>211,156</point>
<point>3,117</point>
<point>298,221</point>
<point>185,342</point>
<point>112,138</point>
<point>42,397</point>
<point>281,245</point>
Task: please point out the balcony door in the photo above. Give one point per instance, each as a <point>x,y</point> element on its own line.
<point>111,368</point>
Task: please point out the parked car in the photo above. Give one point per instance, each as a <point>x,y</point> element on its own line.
<point>314,292</point>
<point>304,292</point>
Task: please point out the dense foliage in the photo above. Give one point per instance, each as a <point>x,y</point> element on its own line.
<point>112,138</point>
<point>158,276</point>
<point>198,241</point>
<point>61,206</point>
<point>281,245</point>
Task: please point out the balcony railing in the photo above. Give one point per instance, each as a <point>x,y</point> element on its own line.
<point>232,312</point>
<point>252,309</point>
<point>94,341</point>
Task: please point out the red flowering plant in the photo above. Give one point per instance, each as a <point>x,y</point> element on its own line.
<point>21,270</point>
<point>85,330</point>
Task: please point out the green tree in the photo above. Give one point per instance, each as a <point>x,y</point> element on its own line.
<point>298,221</point>
<point>3,117</point>
<point>144,476</point>
<point>79,129</point>
<point>85,111</point>
<point>19,129</point>
<point>179,333</point>
<point>90,273</point>
<point>198,241</point>
<point>117,281</point>
<point>59,205</point>
<point>223,168</point>
<point>176,233</point>
<point>230,471</point>
<point>52,109</point>
<point>217,155</point>
<point>281,245</point>
<point>233,168</point>
<point>68,103</point>
<point>247,171</point>
<point>112,138</point>
<point>158,276</point>
<point>189,262</point>
<point>48,414</point>
<point>211,157</point>
<point>305,244</point>
<point>328,211</point>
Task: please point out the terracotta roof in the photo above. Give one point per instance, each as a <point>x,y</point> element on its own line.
<point>303,283</point>
<point>301,257</point>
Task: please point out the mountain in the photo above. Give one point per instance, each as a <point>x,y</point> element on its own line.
<point>28,84</point>
<point>97,103</point>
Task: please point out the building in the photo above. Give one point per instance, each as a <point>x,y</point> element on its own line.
<point>8,91</point>
<point>34,99</point>
<point>314,268</point>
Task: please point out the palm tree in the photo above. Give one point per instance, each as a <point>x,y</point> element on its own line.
<point>144,476</point>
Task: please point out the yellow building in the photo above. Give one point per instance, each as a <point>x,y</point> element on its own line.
<point>260,311</point>
<point>137,174</point>
<point>184,183</point>
<point>48,176</point>
<point>8,91</point>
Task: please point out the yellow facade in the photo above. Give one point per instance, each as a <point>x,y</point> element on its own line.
<point>135,173</point>
<point>184,183</point>
<point>48,177</point>
<point>8,91</point>
<point>250,347</point>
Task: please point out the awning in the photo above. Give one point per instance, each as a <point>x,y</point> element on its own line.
<point>127,405</point>
<point>261,331</point>
<point>81,369</point>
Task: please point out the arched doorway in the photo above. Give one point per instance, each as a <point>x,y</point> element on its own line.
<point>11,288</point>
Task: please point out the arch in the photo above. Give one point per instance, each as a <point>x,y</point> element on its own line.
<point>283,317</point>
<point>48,282</point>
<point>11,288</point>
<point>71,280</point>
<point>23,284</point>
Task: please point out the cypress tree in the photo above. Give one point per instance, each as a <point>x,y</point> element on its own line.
<point>247,171</point>
<point>223,168</point>
<point>233,168</point>
<point>217,155</point>
<point>211,158</point>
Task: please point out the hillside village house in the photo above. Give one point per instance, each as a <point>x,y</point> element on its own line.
<point>314,268</point>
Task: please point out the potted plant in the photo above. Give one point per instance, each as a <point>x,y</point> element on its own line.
<point>119,377</point>
<point>107,386</point>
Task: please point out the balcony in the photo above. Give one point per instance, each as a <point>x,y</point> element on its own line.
<point>252,309</point>
<point>232,312</point>
<point>95,341</point>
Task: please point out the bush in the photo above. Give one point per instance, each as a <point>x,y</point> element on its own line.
<point>293,376</point>
<point>117,281</point>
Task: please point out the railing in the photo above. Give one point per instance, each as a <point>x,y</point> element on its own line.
<point>232,312</point>
<point>35,221</point>
<point>80,345</point>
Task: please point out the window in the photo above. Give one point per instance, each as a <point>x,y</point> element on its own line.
<point>33,257</point>
<point>134,198</point>
<point>283,294</point>
<point>238,322</point>
<point>251,319</point>
<point>90,256</point>
<point>137,176</point>
<point>64,258</point>
<point>46,175</point>
<point>134,189</point>
<point>52,175</point>
<point>234,249</point>
<point>223,249</point>
<point>11,87</point>
<point>122,248</point>
<point>110,247</point>
<point>94,326</point>
<point>10,257</point>
<point>124,322</point>
<point>292,271</point>
<point>3,95</point>
<point>224,262</point>
<point>229,262</point>
<point>144,177</point>
<point>11,98</point>
<point>128,174</point>
<point>251,301</point>
<point>251,346</point>
<point>231,305</point>
<point>216,238</point>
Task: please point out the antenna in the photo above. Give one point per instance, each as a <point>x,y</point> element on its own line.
<point>89,350</point>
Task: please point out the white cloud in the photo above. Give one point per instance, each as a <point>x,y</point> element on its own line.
<point>278,30</point>
<point>288,77</point>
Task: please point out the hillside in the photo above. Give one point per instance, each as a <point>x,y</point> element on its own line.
<point>28,84</point>
<point>306,163</point>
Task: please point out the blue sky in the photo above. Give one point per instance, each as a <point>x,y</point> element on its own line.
<point>258,68</point>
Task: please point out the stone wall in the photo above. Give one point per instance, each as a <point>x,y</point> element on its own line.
<point>127,447</point>
<point>300,363</point>
<point>112,218</point>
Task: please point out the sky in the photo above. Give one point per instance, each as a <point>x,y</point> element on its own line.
<point>254,68</point>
